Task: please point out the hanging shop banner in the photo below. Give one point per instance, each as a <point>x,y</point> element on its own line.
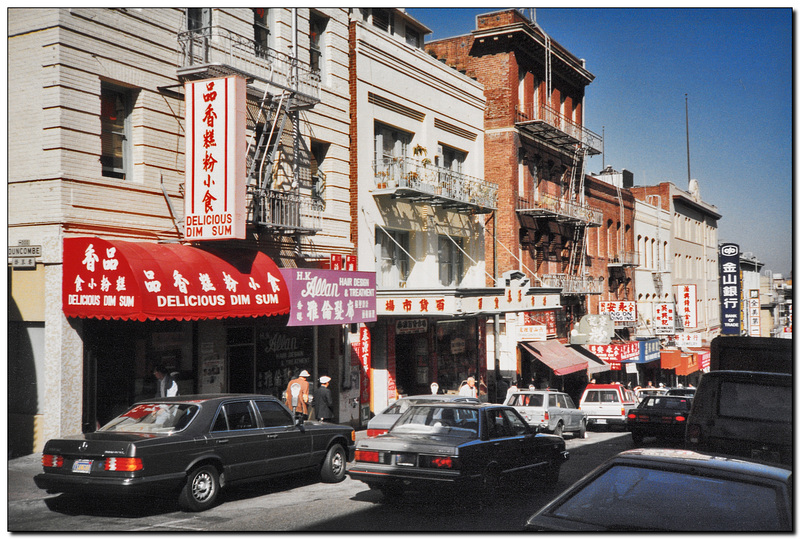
<point>619,311</point>
<point>541,318</point>
<point>365,357</point>
<point>649,350</point>
<point>168,281</point>
<point>686,295</point>
<point>730,289</point>
<point>754,313</point>
<point>328,297</point>
<point>214,205</point>
<point>615,353</point>
<point>664,319</point>
<point>684,340</point>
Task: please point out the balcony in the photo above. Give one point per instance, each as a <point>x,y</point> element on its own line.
<point>216,52</point>
<point>552,127</point>
<point>419,181</point>
<point>573,284</point>
<point>288,212</point>
<point>550,207</point>
<point>624,259</point>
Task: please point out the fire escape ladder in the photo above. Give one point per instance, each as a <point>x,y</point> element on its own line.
<point>577,254</point>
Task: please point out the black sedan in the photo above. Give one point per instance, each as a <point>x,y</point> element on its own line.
<point>192,446</point>
<point>672,490</point>
<point>455,443</point>
<point>662,416</point>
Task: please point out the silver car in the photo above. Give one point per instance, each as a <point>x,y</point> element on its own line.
<point>383,421</point>
<point>552,412</point>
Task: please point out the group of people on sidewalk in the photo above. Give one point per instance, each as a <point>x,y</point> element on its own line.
<point>321,399</point>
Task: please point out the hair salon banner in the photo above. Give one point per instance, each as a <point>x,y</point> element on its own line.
<point>328,297</point>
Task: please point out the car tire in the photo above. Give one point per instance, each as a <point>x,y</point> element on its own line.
<point>559,430</point>
<point>201,489</point>
<point>334,465</point>
<point>582,432</point>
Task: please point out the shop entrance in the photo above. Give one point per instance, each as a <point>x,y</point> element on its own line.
<point>241,353</point>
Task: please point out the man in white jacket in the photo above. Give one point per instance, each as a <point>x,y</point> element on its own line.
<point>167,387</point>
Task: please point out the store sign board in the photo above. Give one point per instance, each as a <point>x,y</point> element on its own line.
<point>532,333</point>
<point>664,320</point>
<point>754,313</point>
<point>619,311</point>
<point>427,305</point>
<point>615,353</point>
<point>730,289</point>
<point>687,304</point>
<point>214,205</point>
<point>328,297</point>
<point>685,340</point>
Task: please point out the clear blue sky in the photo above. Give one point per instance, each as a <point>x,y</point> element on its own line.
<point>736,67</point>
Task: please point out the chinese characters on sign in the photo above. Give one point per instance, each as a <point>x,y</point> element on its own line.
<point>214,205</point>
<point>664,321</point>
<point>326,297</point>
<point>686,295</point>
<point>616,353</point>
<point>729,289</point>
<point>619,311</point>
<point>754,313</point>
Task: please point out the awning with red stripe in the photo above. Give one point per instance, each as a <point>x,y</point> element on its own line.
<point>556,356</point>
<point>150,281</point>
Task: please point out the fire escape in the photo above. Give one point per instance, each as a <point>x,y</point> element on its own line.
<point>280,192</point>
<point>546,126</point>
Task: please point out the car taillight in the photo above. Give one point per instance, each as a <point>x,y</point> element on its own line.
<point>622,411</point>
<point>680,418</point>
<point>546,415</point>
<point>52,461</point>
<point>120,464</point>
<point>693,433</point>
<point>371,433</point>
<point>631,416</point>
<point>442,463</point>
<point>368,456</point>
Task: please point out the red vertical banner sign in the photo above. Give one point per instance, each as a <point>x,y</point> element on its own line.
<point>365,355</point>
<point>391,362</point>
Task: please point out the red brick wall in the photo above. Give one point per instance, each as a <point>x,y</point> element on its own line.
<point>503,18</point>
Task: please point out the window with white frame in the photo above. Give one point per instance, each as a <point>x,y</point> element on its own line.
<point>391,253</point>
<point>391,149</point>
<point>317,26</point>
<point>261,31</point>
<point>451,261</point>
<point>115,131</point>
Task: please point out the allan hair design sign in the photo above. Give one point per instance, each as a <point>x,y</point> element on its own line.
<point>215,159</point>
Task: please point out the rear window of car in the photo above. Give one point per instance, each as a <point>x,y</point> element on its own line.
<point>522,399</point>
<point>637,498</point>
<point>674,403</point>
<point>153,419</point>
<point>437,420</point>
<point>602,395</point>
<point>755,401</point>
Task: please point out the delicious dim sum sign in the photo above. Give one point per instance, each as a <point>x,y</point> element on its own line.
<point>215,159</point>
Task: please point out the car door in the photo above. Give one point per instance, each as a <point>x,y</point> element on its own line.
<point>554,411</point>
<point>287,447</point>
<point>575,416</point>
<point>238,439</point>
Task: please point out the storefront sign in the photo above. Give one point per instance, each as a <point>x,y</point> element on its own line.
<point>149,281</point>
<point>683,340</point>
<point>434,304</point>
<point>615,353</point>
<point>351,263</point>
<point>541,318</point>
<point>619,311</point>
<point>336,261</point>
<point>664,321</point>
<point>649,350</point>
<point>512,300</point>
<point>687,304</point>
<point>365,357</point>
<point>730,289</point>
<point>532,333</point>
<point>754,313</point>
<point>328,297</point>
<point>413,325</point>
<point>214,206</point>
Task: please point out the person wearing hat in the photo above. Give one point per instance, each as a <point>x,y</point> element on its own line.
<point>323,400</point>
<point>302,402</point>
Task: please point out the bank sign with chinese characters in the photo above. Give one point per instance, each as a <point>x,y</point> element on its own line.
<point>214,206</point>
<point>328,297</point>
<point>730,289</point>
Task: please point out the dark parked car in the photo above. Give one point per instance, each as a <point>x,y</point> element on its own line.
<point>383,421</point>
<point>661,416</point>
<point>456,443</point>
<point>743,413</point>
<point>682,391</point>
<point>672,490</point>
<point>192,446</point>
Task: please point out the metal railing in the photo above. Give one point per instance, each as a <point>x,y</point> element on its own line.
<point>552,117</point>
<point>559,206</point>
<point>214,46</point>
<point>573,284</point>
<point>429,179</point>
<point>625,258</point>
<point>286,210</point>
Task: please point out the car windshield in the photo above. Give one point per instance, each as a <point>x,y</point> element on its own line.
<point>153,418</point>
<point>682,404</point>
<point>400,406</point>
<point>525,399</point>
<point>438,420</point>
<point>637,498</point>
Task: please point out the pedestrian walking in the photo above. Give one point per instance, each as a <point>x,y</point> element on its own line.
<point>167,387</point>
<point>323,400</point>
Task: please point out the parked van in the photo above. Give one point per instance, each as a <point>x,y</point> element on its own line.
<point>607,404</point>
<point>744,414</point>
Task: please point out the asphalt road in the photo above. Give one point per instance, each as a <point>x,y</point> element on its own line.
<point>300,503</point>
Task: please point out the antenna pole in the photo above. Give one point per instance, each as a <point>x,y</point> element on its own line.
<point>688,162</point>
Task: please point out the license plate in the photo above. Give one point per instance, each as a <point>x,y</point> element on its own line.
<point>405,459</point>
<point>600,421</point>
<point>82,466</point>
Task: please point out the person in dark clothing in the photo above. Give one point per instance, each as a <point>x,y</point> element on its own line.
<point>167,387</point>
<point>323,400</point>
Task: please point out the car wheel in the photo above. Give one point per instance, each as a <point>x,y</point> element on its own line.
<point>333,467</point>
<point>582,433</point>
<point>559,430</point>
<point>637,438</point>
<point>201,489</point>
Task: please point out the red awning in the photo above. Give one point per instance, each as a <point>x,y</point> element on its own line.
<point>556,356</point>
<point>688,365</point>
<point>149,281</point>
<point>703,357</point>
